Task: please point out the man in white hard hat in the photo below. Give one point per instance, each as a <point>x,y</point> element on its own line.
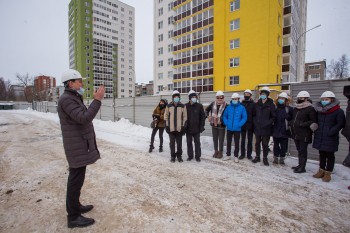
<point>247,131</point>
<point>79,142</point>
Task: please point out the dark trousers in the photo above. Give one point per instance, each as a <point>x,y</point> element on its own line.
<point>236,136</point>
<point>249,135</point>
<point>154,132</point>
<point>218,137</point>
<point>75,182</point>
<point>197,145</point>
<point>327,160</point>
<point>175,137</point>
<point>302,152</point>
<point>264,140</point>
<point>280,146</point>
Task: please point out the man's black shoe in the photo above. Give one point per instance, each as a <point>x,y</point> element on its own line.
<point>256,160</point>
<point>189,159</point>
<point>81,221</point>
<point>198,159</point>
<point>172,159</point>
<point>180,160</point>
<point>241,157</point>
<point>85,208</point>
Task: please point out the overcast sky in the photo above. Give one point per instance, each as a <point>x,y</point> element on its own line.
<point>34,36</point>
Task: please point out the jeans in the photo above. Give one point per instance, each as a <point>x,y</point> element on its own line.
<point>249,134</point>
<point>264,140</point>
<point>197,145</point>
<point>280,146</point>
<point>75,182</point>
<point>154,132</point>
<point>218,137</point>
<point>236,136</point>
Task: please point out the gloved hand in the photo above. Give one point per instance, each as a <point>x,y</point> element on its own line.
<point>202,129</point>
<point>167,129</point>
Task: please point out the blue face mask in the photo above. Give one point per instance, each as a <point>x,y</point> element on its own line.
<point>325,102</point>
<point>234,102</point>
<point>81,91</point>
<point>176,99</point>
<point>263,97</point>
<point>194,100</point>
<point>280,101</point>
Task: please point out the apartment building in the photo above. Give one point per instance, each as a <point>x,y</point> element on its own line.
<point>315,71</point>
<point>102,45</point>
<point>44,83</point>
<point>228,45</point>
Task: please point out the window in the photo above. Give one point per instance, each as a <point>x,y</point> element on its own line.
<point>170,48</point>
<point>160,75</point>
<point>160,25</point>
<point>234,44</point>
<point>160,63</point>
<point>170,6</point>
<point>170,33</point>
<point>234,62</point>
<point>235,5</point>
<point>160,51</point>
<point>160,87</point>
<point>314,67</point>
<point>170,61</point>
<point>235,24</point>
<point>234,80</point>
<point>170,74</point>
<point>160,11</point>
<point>170,19</point>
<point>315,76</point>
<point>160,37</point>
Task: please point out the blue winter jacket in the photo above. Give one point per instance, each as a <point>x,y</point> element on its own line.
<point>235,116</point>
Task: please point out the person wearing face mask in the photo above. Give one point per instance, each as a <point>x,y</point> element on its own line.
<point>303,124</point>
<point>235,116</point>
<point>263,118</point>
<point>248,128</point>
<point>215,112</point>
<point>158,117</point>
<point>79,142</point>
<point>281,132</point>
<point>331,119</point>
<point>175,117</point>
<point>195,126</point>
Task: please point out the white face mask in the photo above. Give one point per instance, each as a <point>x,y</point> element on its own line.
<point>81,91</point>
<point>194,100</point>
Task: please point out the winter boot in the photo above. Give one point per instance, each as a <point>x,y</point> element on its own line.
<point>327,176</point>
<point>216,153</point>
<point>161,149</point>
<point>256,159</point>
<point>241,157</point>
<point>301,169</point>
<point>180,159</point>
<point>172,159</point>
<point>275,160</point>
<point>151,147</point>
<point>249,157</point>
<point>265,161</point>
<point>319,174</point>
<point>297,167</point>
<point>220,155</point>
<point>282,161</point>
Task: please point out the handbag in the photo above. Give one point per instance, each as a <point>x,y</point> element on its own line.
<point>346,161</point>
<point>153,124</point>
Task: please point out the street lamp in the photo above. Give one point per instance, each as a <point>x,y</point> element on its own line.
<point>297,51</point>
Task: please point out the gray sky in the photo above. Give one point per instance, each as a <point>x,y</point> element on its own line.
<point>34,35</point>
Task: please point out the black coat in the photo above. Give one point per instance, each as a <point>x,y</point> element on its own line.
<point>264,117</point>
<point>195,118</point>
<point>331,120</point>
<point>249,107</point>
<point>79,140</point>
<point>303,116</point>
<point>346,130</point>
<point>281,126</point>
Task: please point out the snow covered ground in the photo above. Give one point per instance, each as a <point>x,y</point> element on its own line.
<point>135,191</point>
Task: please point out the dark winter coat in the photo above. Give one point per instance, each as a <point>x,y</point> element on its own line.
<point>195,118</point>
<point>235,116</point>
<point>281,126</point>
<point>331,120</point>
<point>346,130</point>
<point>249,107</point>
<point>209,112</point>
<point>79,140</point>
<point>304,115</point>
<point>264,117</point>
<point>158,114</point>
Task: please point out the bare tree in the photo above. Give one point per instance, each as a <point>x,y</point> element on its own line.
<point>339,69</point>
<point>6,93</point>
<point>28,83</point>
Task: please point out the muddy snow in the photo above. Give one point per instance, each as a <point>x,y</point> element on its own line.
<point>136,191</point>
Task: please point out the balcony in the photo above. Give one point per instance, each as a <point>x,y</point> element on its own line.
<point>287,10</point>
<point>286,30</point>
<point>285,68</point>
<point>286,49</point>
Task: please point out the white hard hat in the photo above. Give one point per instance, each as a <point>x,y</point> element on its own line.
<point>327,94</point>
<point>265,88</point>
<point>283,95</point>
<point>248,91</point>
<point>176,92</point>
<point>303,94</point>
<point>191,92</point>
<point>69,75</point>
<point>235,95</point>
<point>219,93</point>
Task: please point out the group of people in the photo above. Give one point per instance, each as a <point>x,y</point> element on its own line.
<point>306,123</point>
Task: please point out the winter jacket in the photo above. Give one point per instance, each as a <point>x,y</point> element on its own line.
<point>249,107</point>
<point>281,126</point>
<point>346,130</point>
<point>175,117</point>
<point>79,140</point>
<point>304,115</point>
<point>331,120</point>
<point>264,117</point>
<point>209,112</point>
<point>158,114</point>
<point>195,118</point>
<point>235,116</point>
